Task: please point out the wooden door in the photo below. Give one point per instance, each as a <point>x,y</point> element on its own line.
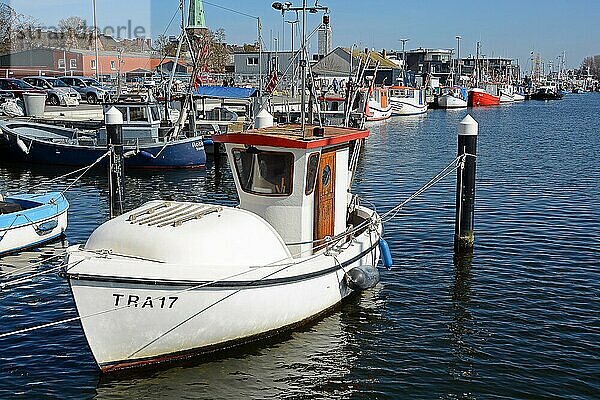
<point>325,197</point>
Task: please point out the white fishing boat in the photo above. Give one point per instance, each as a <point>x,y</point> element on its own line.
<point>172,279</point>
<point>378,106</point>
<point>28,220</point>
<point>407,100</point>
<point>451,98</point>
<point>506,94</point>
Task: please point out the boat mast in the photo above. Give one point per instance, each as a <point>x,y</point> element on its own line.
<point>95,42</point>
<point>303,62</point>
<point>477,65</point>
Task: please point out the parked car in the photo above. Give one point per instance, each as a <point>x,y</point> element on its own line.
<point>58,92</point>
<point>17,87</point>
<point>90,89</point>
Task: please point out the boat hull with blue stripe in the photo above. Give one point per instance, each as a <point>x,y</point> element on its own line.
<point>52,145</point>
<point>40,218</point>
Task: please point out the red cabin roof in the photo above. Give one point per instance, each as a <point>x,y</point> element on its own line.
<point>290,136</point>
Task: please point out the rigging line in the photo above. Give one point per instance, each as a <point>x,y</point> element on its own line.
<point>440,176</point>
<point>207,308</point>
<point>85,171</point>
<point>230,10</point>
<point>16,271</point>
<point>27,278</point>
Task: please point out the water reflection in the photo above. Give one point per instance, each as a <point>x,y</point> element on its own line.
<point>462,327</point>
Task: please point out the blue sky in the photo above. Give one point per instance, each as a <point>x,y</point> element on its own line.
<point>505,27</point>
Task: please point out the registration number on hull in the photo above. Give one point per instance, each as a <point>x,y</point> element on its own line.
<point>133,300</point>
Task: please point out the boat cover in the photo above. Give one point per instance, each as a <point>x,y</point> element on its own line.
<point>225,92</point>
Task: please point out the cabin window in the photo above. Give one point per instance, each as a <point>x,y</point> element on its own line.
<point>137,114</point>
<point>155,113</point>
<point>311,172</point>
<point>264,173</point>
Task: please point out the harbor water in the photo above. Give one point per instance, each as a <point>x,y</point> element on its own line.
<point>521,319</point>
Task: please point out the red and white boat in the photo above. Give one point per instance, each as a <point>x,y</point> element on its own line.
<point>480,97</point>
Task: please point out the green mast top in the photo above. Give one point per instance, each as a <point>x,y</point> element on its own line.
<point>196,17</point>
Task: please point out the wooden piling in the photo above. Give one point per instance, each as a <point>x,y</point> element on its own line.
<point>464,236</point>
<point>116,169</point>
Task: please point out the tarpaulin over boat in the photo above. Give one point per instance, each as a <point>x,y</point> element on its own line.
<point>225,92</point>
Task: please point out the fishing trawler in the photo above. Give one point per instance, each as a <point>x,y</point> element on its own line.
<point>407,100</point>
<point>172,279</point>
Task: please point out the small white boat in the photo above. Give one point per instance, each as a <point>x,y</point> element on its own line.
<point>453,98</point>
<point>28,220</point>
<point>407,100</point>
<point>378,105</point>
<point>172,279</point>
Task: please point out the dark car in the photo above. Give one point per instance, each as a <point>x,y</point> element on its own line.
<point>17,87</point>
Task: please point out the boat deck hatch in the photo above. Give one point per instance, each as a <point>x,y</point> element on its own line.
<point>171,214</point>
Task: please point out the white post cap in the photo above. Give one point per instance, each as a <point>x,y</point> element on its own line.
<point>113,117</point>
<point>468,126</point>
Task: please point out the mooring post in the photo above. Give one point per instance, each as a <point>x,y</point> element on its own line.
<point>116,171</point>
<point>464,236</point>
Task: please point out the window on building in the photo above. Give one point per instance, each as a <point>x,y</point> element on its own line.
<point>113,65</point>
<point>93,64</point>
<point>264,173</point>
<point>61,63</point>
<point>252,61</point>
<point>73,63</point>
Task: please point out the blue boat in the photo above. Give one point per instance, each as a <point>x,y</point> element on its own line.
<point>146,145</point>
<point>28,220</point>
<point>53,145</point>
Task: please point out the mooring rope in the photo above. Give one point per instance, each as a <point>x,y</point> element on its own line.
<point>17,270</point>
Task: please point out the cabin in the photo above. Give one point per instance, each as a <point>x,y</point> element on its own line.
<point>298,181</point>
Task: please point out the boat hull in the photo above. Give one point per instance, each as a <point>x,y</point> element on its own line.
<point>152,321</point>
<point>34,226</point>
<point>183,153</point>
<point>480,98</point>
<point>402,108</point>
<point>451,102</point>
<point>378,114</point>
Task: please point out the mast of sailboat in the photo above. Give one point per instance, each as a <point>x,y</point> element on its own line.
<point>287,6</point>
<point>95,41</point>
<point>177,55</point>
<point>477,72</point>
<point>458,58</point>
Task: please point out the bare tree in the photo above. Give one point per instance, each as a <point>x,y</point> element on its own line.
<point>591,64</point>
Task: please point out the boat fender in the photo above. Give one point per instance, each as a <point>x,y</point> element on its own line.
<point>147,154</point>
<point>130,153</point>
<point>362,278</point>
<point>22,146</point>
<point>386,254</point>
<point>46,227</point>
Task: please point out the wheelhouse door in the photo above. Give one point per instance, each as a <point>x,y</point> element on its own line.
<point>325,197</point>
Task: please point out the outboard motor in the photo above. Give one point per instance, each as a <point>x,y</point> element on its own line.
<point>362,278</point>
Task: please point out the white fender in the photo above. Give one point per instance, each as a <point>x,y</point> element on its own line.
<point>22,146</point>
